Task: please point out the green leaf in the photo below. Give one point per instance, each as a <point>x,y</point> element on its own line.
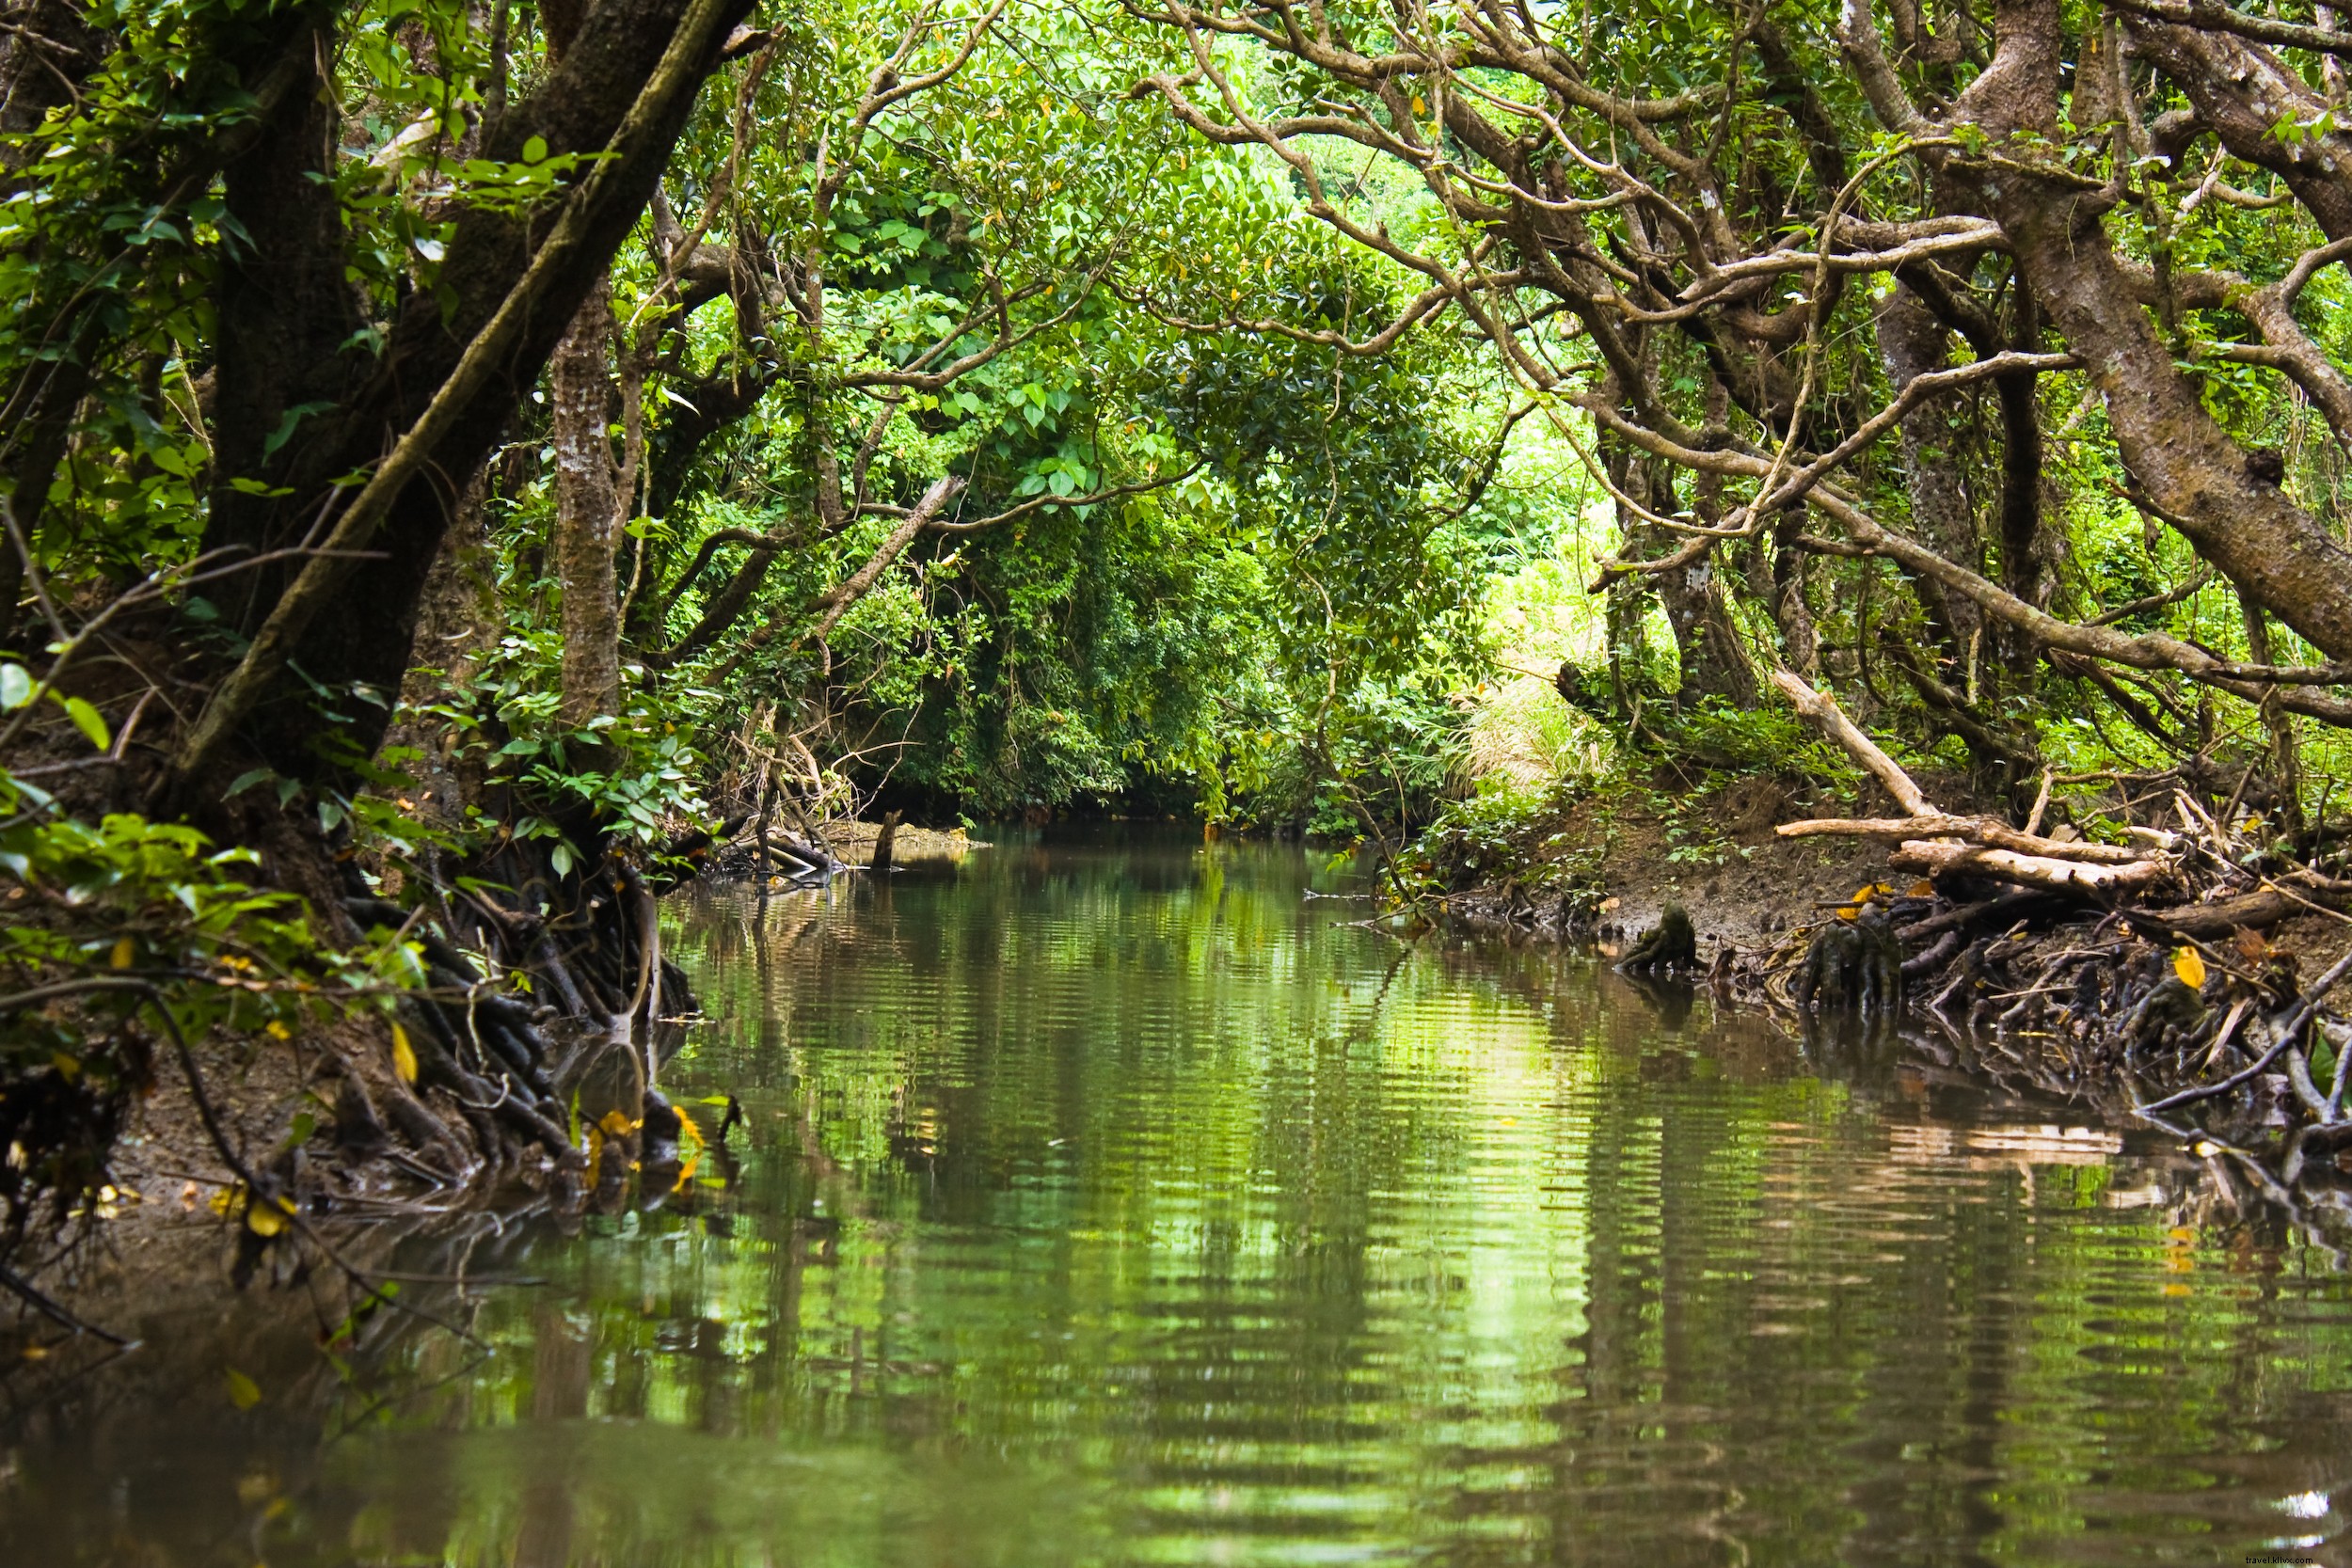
<point>535,151</point>
<point>561,858</point>
<point>85,718</point>
<point>16,686</point>
<point>285,433</point>
<point>243,1391</point>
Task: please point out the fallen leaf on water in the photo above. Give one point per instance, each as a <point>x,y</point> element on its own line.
<point>243,1391</point>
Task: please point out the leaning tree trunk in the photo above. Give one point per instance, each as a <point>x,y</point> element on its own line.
<point>587,513</point>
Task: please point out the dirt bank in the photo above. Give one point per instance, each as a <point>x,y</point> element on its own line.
<point>2201,1002</point>
<point>1604,865</point>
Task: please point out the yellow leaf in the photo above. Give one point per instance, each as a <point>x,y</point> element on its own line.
<point>617,1123</point>
<point>404,1057</point>
<point>1861,895</point>
<point>688,1132</point>
<point>243,1391</point>
<point>1923,890</point>
<point>1421,104</point>
<point>2191,967</point>
<point>122,954</point>
<point>69,1068</point>
<point>277,1031</point>
<point>267,1218</point>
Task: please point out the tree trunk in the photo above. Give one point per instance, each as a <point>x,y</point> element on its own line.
<point>1707,645</point>
<point>1800,641</point>
<point>1911,342</point>
<point>457,623</point>
<point>578,105</point>
<point>2025,572</point>
<point>2277,554</point>
<point>587,512</point>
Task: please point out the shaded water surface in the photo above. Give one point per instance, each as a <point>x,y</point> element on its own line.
<point>1109,1201</point>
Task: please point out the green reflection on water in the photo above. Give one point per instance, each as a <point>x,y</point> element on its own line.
<point>1111,1203</point>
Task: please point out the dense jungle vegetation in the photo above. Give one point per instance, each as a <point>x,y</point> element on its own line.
<point>464,458</point>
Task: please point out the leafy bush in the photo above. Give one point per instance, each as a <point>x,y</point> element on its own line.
<point>123,926</point>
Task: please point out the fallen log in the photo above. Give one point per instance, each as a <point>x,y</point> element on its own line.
<point>1945,858</point>
<point>1975,829</point>
<point>2266,907</point>
<point>1942,844</point>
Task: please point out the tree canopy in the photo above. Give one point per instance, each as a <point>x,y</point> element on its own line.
<point>463,459</point>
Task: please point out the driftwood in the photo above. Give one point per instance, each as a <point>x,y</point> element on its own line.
<point>1939,858</point>
<point>1975,829</point>
<point>1944,845</point>
<point>884,842</point>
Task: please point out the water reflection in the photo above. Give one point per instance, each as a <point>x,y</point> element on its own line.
<point>1108,1202</point>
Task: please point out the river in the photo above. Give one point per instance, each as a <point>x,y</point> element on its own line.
<point>1106,1200</point>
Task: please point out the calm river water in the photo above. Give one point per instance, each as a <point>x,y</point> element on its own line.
<point>1109,1201</point>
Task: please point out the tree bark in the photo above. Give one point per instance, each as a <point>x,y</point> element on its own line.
<point>1799,640</point>
<point>587,511</point>
<point>579,106</point>
<point>1911,342</point>
<point>2277,554</point>
<point>2243,92</point>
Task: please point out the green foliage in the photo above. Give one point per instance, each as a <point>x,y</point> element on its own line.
<point>634,774</point>
<point>116,931</point>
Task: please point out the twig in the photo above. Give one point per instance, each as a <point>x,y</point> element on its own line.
<point>2041,804</point>
<point>2288,1027</point>
<point>24,1290</point>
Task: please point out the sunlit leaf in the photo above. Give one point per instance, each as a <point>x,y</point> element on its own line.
<point>2190,966</point>
<point>85,718</point>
